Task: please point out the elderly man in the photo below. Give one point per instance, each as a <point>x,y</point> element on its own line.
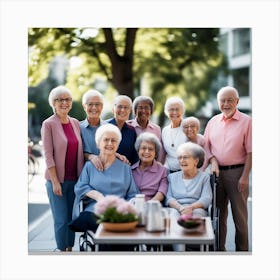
<point>228,143</point>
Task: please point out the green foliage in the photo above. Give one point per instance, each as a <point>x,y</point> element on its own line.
<point>112,216</point>
<point>166,62</point>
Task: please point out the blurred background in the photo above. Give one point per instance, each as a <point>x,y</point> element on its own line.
<point>192,63</point>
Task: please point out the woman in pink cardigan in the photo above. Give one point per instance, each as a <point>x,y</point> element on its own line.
<point>64,162</point>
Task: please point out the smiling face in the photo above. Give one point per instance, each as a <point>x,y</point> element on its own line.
<point>187,162</point>
<point>190,128</point>
<point>108,143</point>
<point>175,112</point>
<point>62,104</point>
<point>93,107</point>
<point>147,152</point>
<point>143,112</point>
<point>228,101</point>
<point>122,110</point>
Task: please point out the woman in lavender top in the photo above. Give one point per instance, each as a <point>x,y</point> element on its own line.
<point>149,175</point>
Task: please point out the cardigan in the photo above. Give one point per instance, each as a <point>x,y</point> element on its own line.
<point>55,146</point>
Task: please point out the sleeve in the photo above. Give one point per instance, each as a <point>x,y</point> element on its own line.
<point>132,189</point>
<point>206,192</point>
<point>163,184</point>
<point>47,139</point>
<point>248,137</point>
<point>207,144</point>
<point>169,195</point>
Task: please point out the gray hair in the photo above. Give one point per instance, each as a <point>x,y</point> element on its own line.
<point>227,88</point>
<point>122,97</point>
<point>55,92</point>
<point>92,93</point>
<point>191,119</point>
<point>195,150</point>
<point>107,128</point>
<point>174,100</point>
<point>142,98</point>
<point>148,137</point>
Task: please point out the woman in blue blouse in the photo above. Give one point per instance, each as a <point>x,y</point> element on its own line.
<point>93,184</point>
<point>189,190</point>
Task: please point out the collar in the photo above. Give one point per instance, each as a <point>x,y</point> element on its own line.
<point>152,168</point>
<point>236,116</point>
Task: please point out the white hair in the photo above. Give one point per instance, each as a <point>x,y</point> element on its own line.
<point>227,88</point>
<point>123,97</point>
<point>107,128</point>
<point>92,93</point>
<point>191,119</point>
<point>174,100</point>
<point>55,92</point>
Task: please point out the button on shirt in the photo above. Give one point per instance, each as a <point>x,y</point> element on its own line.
<point>229,140</point>
<point>88,136</point>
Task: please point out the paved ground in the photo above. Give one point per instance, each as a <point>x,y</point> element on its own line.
<point>40,223</point>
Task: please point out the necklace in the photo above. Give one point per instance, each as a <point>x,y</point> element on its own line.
<point>173,138</point>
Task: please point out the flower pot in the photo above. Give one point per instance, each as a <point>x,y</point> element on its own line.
<point>120,227</point>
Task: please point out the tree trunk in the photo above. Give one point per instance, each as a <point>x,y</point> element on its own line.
<point>122,66</point>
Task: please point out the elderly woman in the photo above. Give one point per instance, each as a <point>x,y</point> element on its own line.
<point>93,184</point>
<point>143,107</point>
<point>121,110</point>
<point>63,153</point>
<point>189,191</point>
<point>172,134</point>
<point>92,102</point>
<point>150,175</point>
<point>191,127</point>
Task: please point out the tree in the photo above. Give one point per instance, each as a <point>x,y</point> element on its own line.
<point>159,62</point>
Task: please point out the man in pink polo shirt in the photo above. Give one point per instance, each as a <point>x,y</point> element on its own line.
<point>228,144</point>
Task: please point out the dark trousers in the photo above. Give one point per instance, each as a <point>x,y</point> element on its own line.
<point>228,191</point>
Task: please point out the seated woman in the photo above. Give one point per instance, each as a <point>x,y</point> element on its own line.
<point>189,190</point>
<point>149,175</point>
<point>116,178</point>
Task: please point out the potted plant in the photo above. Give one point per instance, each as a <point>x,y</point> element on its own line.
<point>116,214</point>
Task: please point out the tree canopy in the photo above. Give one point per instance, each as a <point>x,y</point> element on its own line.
<point>159,62</point>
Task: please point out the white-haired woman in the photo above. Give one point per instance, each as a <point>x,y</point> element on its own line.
<point>121,110</point>
<point>93,184</point>
<point>191,127</point>
<point>172,134</point>
<point>150,175</point>
<point>189,190</point>
<point>63,154</point>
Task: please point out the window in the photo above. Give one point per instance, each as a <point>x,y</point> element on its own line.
<point>241,41</point>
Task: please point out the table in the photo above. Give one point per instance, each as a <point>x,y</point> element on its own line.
<point>176,235</point>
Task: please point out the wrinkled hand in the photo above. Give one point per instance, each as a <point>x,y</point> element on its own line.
<point>57,189</point>
<point>123,158</point>
<point>96,161</point>
<point>214,167</point>
<point>187,210</point>
<point>243,184</point>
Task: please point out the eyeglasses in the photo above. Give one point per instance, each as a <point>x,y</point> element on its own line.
<point>97,104</point>
<point>108,140</point>
<point>145,108</point>
<point>174,110</point>
<point>119,107</point>
<point>150,149</point>
<point>61,100</point>
<point>189,126</point>
<point>184,158</point>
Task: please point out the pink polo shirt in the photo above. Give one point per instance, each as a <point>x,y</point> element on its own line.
<point>229,140</point>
